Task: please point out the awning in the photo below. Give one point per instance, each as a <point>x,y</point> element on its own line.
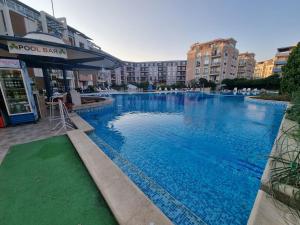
<point>53,53</point>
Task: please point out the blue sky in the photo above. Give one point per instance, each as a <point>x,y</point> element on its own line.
<point>144,30</point>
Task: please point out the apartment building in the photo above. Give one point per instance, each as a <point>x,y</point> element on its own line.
<point>155,72</point>
<point>281,58</point>
<point>246,65</point>
<point>19,20</point>
<point>214,60</point>
<point>263,69</point>
<point>103,78</point>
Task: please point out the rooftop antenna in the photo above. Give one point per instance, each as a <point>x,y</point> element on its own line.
<point>52,8</point>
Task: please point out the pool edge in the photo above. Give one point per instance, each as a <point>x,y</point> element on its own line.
<point>127,202</point>
<point>264,210</point>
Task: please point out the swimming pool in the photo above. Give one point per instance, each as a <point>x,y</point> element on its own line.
<point>198,157</point>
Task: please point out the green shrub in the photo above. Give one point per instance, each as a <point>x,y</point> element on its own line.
<point>269,83</point>
<point>291,72</point>
<point>143,85</point>
<point>293,113</point>
<point>121,87</point>
<point>202,82</point>
<point>275,97</point>
<point>91,89</point>
<point>212,85</point>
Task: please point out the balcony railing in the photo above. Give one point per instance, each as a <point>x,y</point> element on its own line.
<point>216,54</point>
<point>277,70</point>
<point>283,53</point>
<point>280,62</point>
<point>212,73</point>
<point>215,64</point>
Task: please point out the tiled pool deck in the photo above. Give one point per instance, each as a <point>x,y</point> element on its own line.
<point>22,134</point>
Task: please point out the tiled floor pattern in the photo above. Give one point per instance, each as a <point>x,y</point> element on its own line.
<point>24,133</point>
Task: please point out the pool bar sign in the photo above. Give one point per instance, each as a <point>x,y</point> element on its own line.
<point>36,49</point>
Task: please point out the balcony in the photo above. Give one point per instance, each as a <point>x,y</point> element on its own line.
<point>284,54</point>
<point>214,73</point>
<point>280,62</point>
<point>215,64</point>
<point>216,54</point>
<point>277,70</point>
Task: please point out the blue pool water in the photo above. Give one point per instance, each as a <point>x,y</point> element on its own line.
<point>198,157</point>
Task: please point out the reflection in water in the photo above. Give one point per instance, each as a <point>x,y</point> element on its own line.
<point>207,151</point>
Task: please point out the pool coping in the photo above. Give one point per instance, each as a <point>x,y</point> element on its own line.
<point>105,179</point>
<point>264,101</point>
<point>127,202</point>
<point>264,211</point>
<point>107,101</point>
<point>80,123</point>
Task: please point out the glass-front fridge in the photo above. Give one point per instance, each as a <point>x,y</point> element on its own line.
<point>16,92</point>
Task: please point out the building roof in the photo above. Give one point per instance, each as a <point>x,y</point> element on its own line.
<point>247,54</point>
<point>214,41</point>
<point>27,6</point>
<point>285,49</point>
<point>78,32</point>
<point>78,58</point>
<point>163,61</point>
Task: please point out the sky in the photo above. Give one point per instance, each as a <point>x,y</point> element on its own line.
<point>146,30</point>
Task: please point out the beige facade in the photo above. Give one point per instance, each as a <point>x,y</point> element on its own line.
<point>281,58</point>
<point>264,69</point>
<point>246,65</point>
<point>214,60</point>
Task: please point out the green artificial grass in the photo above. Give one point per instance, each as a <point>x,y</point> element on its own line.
<point>45,183</point>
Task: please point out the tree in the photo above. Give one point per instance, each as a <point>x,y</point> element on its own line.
<point>143,85</point>
<point>203,82</point>
<point>212,85</point>
<point>270,83</point>
<point>193,83</point>
<point>291,73</point>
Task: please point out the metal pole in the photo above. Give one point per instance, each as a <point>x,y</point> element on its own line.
<point>52,8</point>
<point>65,82</point>
<point>47,82</point>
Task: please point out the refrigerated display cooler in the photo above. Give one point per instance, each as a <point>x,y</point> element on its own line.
<point>17,94</point>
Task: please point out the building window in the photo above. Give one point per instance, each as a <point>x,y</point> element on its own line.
<point>71,40</point>
<point>205,71</point>
<point>216,61</point>
<point>206,60</point>
<point>81,45</point>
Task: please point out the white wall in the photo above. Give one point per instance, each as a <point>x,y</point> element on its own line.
<point>78,38</point>
<point>31,26</point>
<point>6,20</point>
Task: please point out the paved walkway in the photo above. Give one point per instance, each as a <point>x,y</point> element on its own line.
<point>22,134</point>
